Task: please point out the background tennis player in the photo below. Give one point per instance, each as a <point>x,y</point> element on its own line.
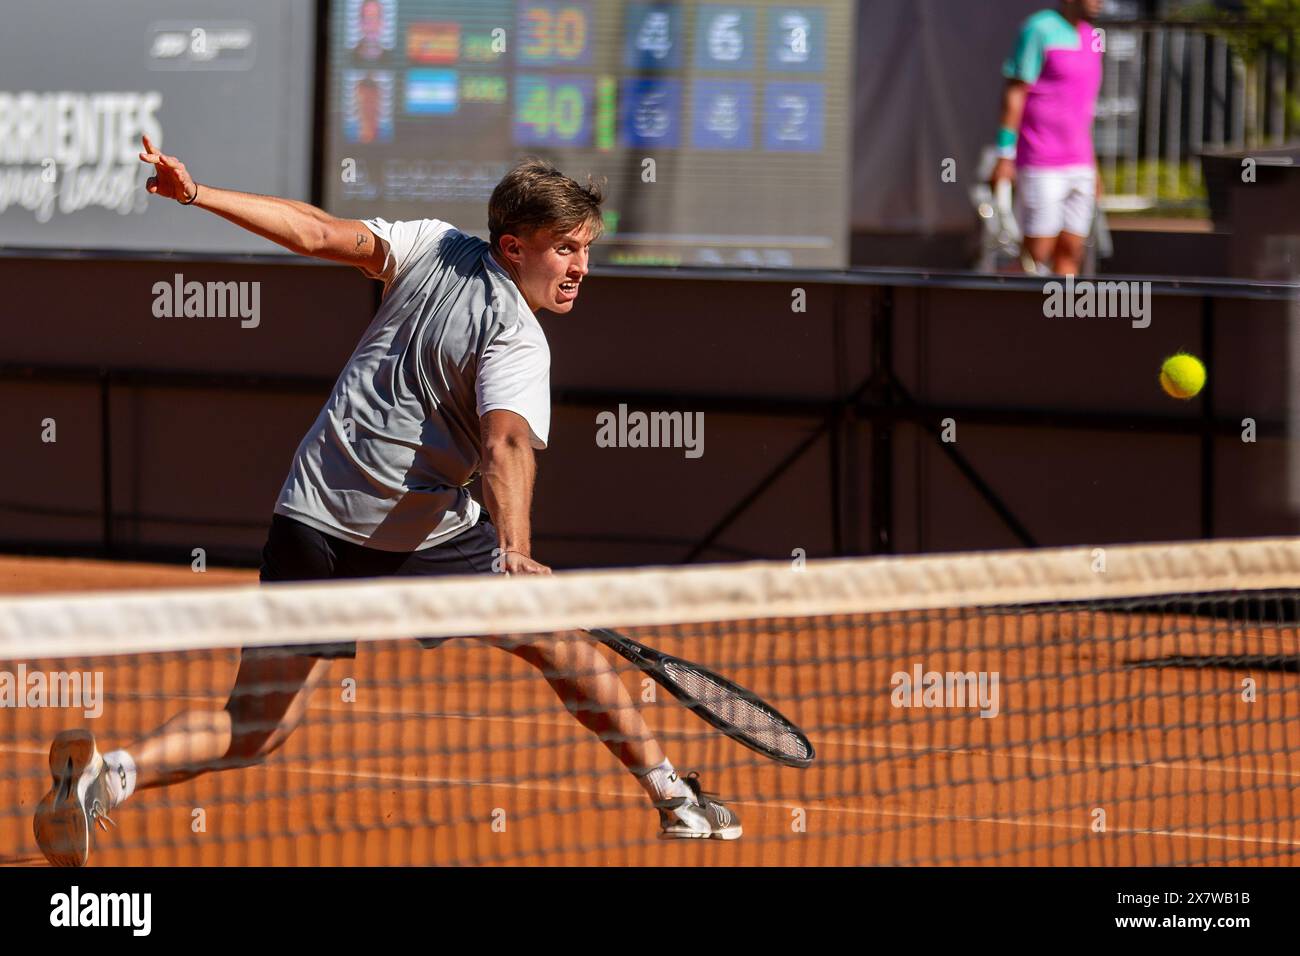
<point>1045,143</point>
<point>452,377</point>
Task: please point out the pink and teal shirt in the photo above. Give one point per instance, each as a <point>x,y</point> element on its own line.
<point>1064,76</point>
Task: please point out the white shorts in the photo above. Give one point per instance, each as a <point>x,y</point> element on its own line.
<point>1052,201</point>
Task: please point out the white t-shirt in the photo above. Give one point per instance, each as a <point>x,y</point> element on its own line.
<point>387,460</point>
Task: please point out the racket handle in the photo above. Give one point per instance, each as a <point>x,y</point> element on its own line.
<point>1003,196</point>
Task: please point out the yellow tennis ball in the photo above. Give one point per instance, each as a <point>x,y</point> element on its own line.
<point>1182,375</point>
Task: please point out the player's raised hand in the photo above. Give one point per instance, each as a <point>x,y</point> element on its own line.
<point>170,179</point>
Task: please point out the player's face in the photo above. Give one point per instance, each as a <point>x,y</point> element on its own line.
<point>1089,8</point>
<point>550,266</point>
<point>372,21</point>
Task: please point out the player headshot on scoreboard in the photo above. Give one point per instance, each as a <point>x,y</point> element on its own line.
<point>372,30</point>
<point>369,107</point>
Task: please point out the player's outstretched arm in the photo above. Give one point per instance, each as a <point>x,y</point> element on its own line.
<point>298,226</point>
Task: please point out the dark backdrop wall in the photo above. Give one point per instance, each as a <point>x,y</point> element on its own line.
<point>1059,423</point>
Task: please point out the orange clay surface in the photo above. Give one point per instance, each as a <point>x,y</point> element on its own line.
<point>463,755</point>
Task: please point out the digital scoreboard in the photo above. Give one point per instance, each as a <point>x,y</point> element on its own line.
<point>721,131</point>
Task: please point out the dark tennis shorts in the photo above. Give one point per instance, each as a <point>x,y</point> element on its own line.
<point>298,552</point>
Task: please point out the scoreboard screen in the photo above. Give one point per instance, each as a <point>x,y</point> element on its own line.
<point>721,131</point>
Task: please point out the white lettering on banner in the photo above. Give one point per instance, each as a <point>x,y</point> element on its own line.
<point>93,141</point>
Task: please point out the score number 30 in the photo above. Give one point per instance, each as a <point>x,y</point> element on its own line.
<point>553,33</point>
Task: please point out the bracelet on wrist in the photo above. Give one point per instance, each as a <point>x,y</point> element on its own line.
<point>191,201</point>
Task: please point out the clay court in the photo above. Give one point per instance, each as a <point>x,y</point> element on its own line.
<point>462,755</point>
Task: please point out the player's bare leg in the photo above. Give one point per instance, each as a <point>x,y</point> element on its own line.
<point>267,702</point>
<point>1068,255</point>
<point>1042,248</point>
<point>592,692</point>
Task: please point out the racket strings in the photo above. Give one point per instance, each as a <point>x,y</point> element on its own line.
<point>739,711</point>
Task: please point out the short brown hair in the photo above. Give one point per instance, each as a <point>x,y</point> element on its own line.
<point>535,195</point>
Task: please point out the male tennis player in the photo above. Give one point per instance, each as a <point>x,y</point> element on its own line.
<point>1045,143</point>
<point>451,377</point>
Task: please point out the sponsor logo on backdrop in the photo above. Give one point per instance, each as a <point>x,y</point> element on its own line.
<point>202,46</point>
<point>67,151</point>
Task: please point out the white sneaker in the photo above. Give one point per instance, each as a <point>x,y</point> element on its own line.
<point>702,819</point>
<point>77,801</point>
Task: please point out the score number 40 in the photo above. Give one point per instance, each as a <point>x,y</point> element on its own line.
<point>552,112</point>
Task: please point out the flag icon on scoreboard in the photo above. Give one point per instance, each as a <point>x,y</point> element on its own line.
<point>431,91</point>
<point>433,42</point>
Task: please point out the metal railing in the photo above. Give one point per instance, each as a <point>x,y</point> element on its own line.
<point>1174,89</point>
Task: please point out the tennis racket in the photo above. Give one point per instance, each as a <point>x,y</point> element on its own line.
<point>743,716</point>
<point>1009,235</point>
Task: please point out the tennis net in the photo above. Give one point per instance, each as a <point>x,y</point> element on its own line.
<point>1135,705</point>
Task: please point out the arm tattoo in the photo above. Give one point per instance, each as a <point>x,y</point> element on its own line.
<point>361,239</point>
